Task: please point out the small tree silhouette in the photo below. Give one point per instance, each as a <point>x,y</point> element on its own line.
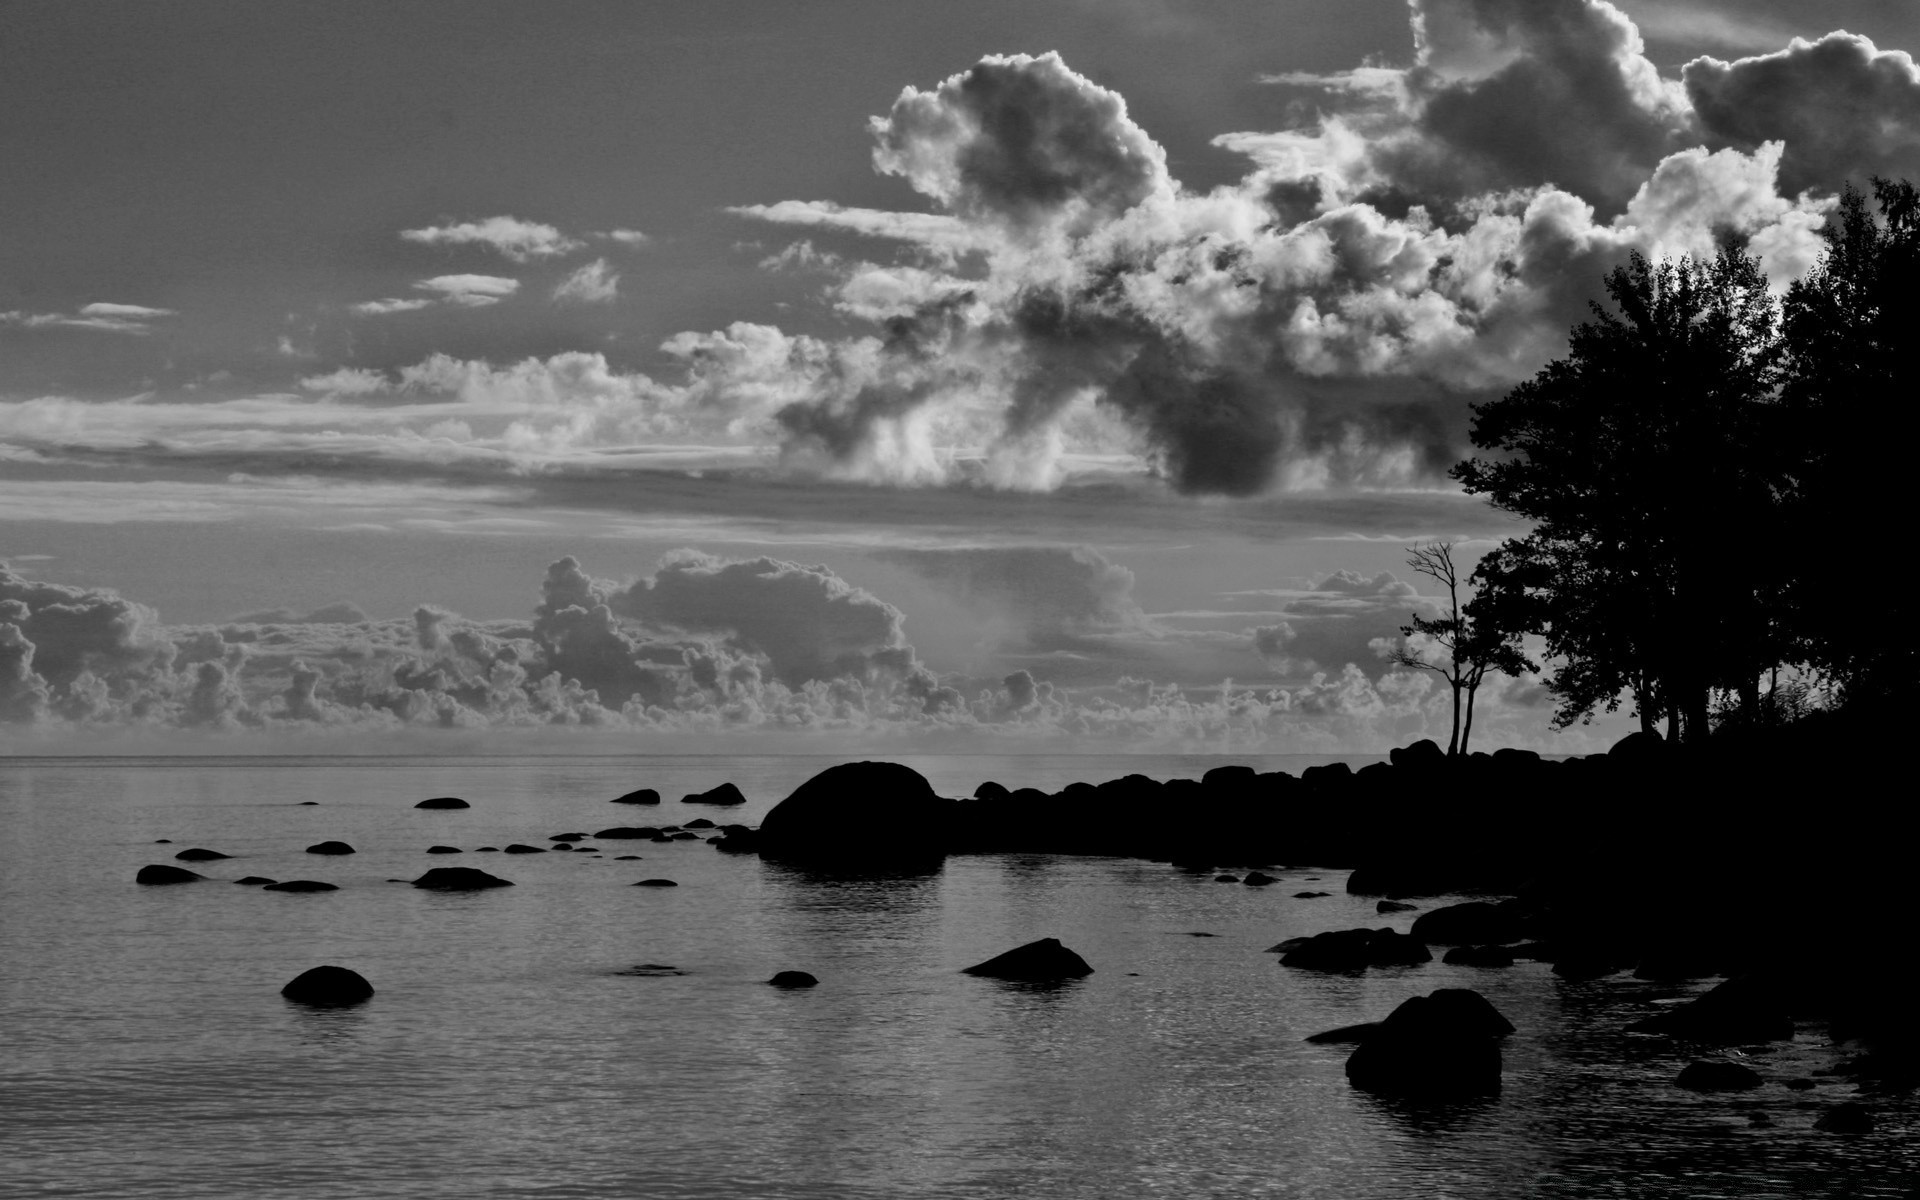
<point>1461,647</point>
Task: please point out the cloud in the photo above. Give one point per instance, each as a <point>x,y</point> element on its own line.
<point>1341,623</point>
<point>470,291</point>
<point>594,283</point>
<point>631,238</point>
<point>106,317</point>
<point>339,613</point>
<point>1055,597</point>
<point>1842,108</point>
<point>520,241</point>
<point>382,308</point>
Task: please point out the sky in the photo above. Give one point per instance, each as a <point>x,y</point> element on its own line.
<point>1014,376</point>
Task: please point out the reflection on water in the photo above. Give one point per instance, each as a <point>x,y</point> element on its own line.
<point>514,1049</point>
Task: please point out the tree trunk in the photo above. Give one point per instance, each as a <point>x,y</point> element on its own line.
<point>1466,731</point>
<point>1453,743</point>
<point>1750,700</point>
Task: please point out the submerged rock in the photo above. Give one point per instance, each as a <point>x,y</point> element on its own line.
<point>301,885</point>
<point>164,874</point>
<point>793,979</point>
<point>1446,1043</point>
<point>725,794</point>
<point>328,987</point>
<point>443,849</point>
<point>1354,950</point>
<point>198,855</point>
<point>1478,956</point>
<point>1717,1077</point>
<point>444,802</point>
<point>459,879</point>
<point>656,883</point>
<point>1036,962</point>
<point>1394,906</point>
<point>627,832</point>
<point>329,848</point>
<point>253,880</point>
<point>1737,1011</point>
<point>638,796</point>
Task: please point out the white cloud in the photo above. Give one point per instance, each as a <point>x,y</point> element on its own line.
<point>594,283</point>
<point>106,317</point>
<point>631,238</point>
<point>134,311</point>
<point>518,240</point>
<point>470,291</point>
<point>381,308</point>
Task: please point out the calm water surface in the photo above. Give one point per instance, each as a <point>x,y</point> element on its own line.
<point>145,1051</point>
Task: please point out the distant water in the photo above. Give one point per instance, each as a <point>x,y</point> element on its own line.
<point>145,1051</point>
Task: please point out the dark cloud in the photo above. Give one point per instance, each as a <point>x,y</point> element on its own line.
<point>1845,109</point>
<point>339,613</point>
<point>1056,594</point>
<point>1347,620</point>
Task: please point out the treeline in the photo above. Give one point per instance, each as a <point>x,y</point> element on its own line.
<point>1717,479</point>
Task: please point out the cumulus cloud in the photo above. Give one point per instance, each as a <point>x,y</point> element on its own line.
<point>339,613</point>
<point>470,291</point>
<point>594,283</point>
<point>1344,622</point>
<point>1053,597</point>
<point>517,240</point>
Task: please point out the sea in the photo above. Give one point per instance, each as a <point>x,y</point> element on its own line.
<point>576,1036</point>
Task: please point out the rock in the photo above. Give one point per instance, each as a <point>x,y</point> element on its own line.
<point>860,814</point>
<point>1642,745</point>
<point>1799,1085</point>
<point>253,880</point>
<point>308,803</point>
<point>567,837</point>
<point>992,791</point>
<point>726,793</point>
<point>1580,964</point>
<point>652,970</point>
<point>486,850</point>
<point>1394,906</point>
<point>459,879</point>
<point>793,979</point>
<point>328,987</point>
<point>1226,879</point>
<point>684,836</point>
<point>1258,879</point>
<point>562,846</point>
<point>1043,961</point>
<point>1423,755</point>
<point>1478,956</point>
<point>1473,923</point>
<point>443,849</point>
<point>1446,1043</point>
<point>1311,895</point>
<point>1717,1077</point>
<point>700,823</point>
<point>163,841</point>
<point>1846,1117</point>
<point>626,858</point>
<point>523,848</point>
<point>1741,1010</point>
<point>641,796</point>
<point>162,874</point>
<point>198,855</point>
<point>656,883</point>
<point>1354,950</point>
<point>627,832</point>
<point>330,848</point>
<point>301,885</point>
<point>446,802</point>
<point>1345,1035</point>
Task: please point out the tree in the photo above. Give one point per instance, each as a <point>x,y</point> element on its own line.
<point>1642,459</point>
<point>1461,647</point>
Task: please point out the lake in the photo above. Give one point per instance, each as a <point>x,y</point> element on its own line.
<point>512,1050</point>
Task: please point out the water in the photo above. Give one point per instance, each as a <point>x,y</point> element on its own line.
<point>145,1051</point>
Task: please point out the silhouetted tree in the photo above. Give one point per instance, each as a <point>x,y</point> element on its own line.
<point>1644,459</point>
<point>1460,647</point>
<point>1853,329</point>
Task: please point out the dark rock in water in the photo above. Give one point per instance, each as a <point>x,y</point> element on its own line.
<point>328,986</point>
<point>626,858</point>
<point>253,880</point>
<point>161,874</point>
<point>567,837</point>
<point>1258,879</point>
<point>523,848</point>
<point>562,846</point>
<point>1799,1085</point>
<point>656,883</point>
<point>1846,1117</point>
<point>447,802</point>
<point>330,848</point>
<point>1473,923</point>
<point>163,841</point>
<point>992,791</point>
<point>1423,755</point>
<point>735,839</point>
<point>726,793</point>
<point>487,850</point>
<point>684,836</point>
<point>301,885</point>
<point>641,796</point>
<point>1394,906</point>
<point>861,814</point>
<point>1198,933</point>
<point>651,970</point>
<point>443,849</point>
<point>459,879</point>
<point>793,979</point>
<point>1036,962</point>
<point>198,855</point>
<point>627,832</point>
<point>700,823</point>
<point>1354,950</point>
<point>1311,895</point>
<point>1446,1043</point>
<point>308,803</point>
<point>1478,956</point>
<point>1345,1035</point>
<point>1741,1010</point>
<point>1226,879</point>
<point>1717,1077</point>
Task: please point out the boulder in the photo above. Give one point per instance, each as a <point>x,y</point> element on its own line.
<point>626,858</point>
<point>656,883</point>
<point>1642,745</point>
<point>301,885</point>
<point>443,849</point>
<point>1473,923</point>
<point>253,880</point>
<point>700,823</point>
<point>1446,1043</point>
<point>445,802</point>
<point>327,987</point>
<point>627,832</point>
<point>684,836</point>
<point>1478,956</point>
<point>726,793</point>
<point>1741,1010</point>
<point>991,791</point>
<point>1311,895</point>
<point>1353,950</point>
<point>1258,879</point>
<point>163,874</point>
<point>641,796</point>
<point>1423,755</point>
<point>163,841</point>
<point>330,848</point>
<point>1226,879</point>
<point>198,855</point>
<point>523,848</point>
<point>793,979</point>
<point>860,814</point>
<point>1846,1117</point>
<point>567,837</point>
<point>1717,1077</point>
<point>459,879</point>
<point>1044,961</point>
<point>1345,1035</point>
